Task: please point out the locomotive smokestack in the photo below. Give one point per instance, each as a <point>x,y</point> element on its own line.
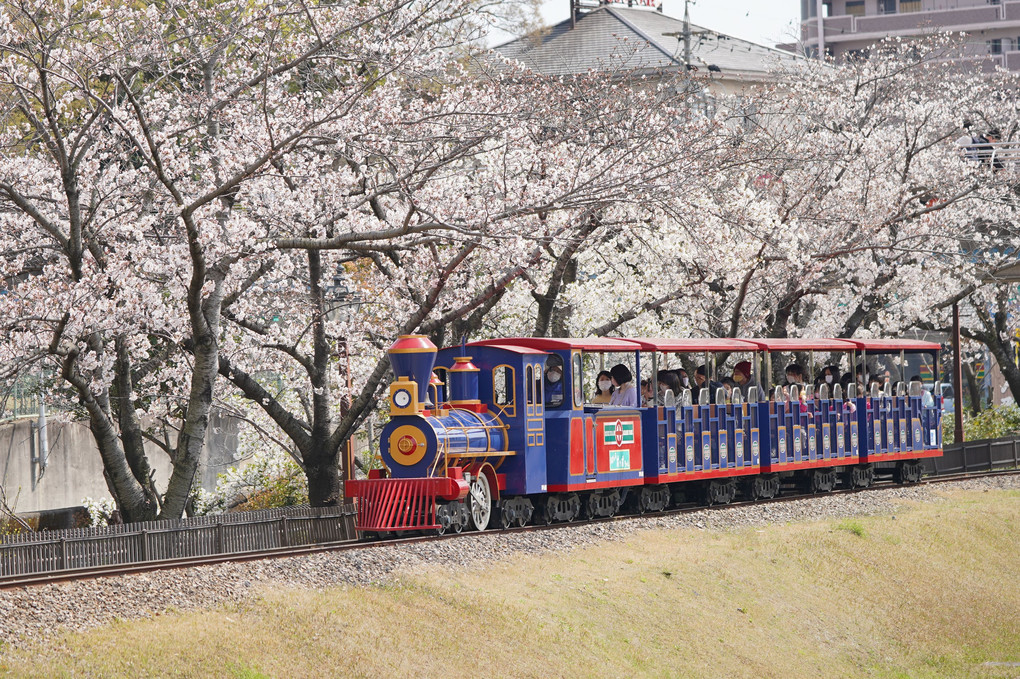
<point>463,377</point>
<point>412,357</point>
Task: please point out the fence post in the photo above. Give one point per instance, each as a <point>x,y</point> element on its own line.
<point>219,537</point>
<point>63,554</point>
<point>145,545</point>
<point>286,536</point>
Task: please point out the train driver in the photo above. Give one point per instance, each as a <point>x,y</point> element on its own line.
<point>553,381</point>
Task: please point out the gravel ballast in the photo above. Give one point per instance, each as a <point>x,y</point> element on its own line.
<point>30,613</point>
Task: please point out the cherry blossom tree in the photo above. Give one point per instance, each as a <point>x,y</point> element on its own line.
<point>846,208</point>
<point>183,183</point>
<point>432,216</point>
<point>143,150</point>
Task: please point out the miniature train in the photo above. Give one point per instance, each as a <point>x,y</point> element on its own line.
<point>476,439</point>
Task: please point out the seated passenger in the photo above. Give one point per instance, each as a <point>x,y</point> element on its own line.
<point>603,388</point>
<point>863,377</point>
<point>829,376</point>
<point>794,374</point>
<point>712,386</point>
<point>742,376</point>
<point>668,381</point>
<point>625,395</point>
<point>927,401</point>
<point>648,399</point>
<point>729,384</point>
<point>554,382</point>
<point>681,375</point>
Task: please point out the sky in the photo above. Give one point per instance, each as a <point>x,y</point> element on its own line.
<point>767,22</point>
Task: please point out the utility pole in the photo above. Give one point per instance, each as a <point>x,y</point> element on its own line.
<point>687,35</point>
<point>821,29</point>
<point>957,377</point>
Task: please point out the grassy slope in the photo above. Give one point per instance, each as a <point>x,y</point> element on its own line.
<point>923,594</point>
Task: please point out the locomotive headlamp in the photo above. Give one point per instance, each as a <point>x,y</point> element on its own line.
<point>403,397</point>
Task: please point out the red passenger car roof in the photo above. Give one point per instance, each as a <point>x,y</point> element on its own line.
<point>804,344</point>
<point>505,347</point>
<point>549,343</point>
<point>895,345</point>
<point>694,344</point>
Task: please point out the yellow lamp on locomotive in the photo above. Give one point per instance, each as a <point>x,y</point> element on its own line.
<point>404,397</point>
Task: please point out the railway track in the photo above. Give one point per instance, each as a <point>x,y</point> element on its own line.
<point>59,576</point>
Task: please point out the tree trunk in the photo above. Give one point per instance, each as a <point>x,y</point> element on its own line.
<point>992,334</point>
<point>322,471</point>
<point>130,429</point>
<point>191,441</point>
<point>973,389</point>
<point>321,466</point>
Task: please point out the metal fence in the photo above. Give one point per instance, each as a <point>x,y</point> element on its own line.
<point>30,553</point>
<point>19,397</point>
<point>975,456</point>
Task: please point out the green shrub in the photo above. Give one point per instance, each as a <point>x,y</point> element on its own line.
<point>949,428</point>
<point>992,423</point>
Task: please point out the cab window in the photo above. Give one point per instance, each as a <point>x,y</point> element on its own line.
<point>503,388</point>
<point>576,378</point>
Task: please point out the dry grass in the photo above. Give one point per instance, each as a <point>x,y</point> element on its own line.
<point>928,593</point>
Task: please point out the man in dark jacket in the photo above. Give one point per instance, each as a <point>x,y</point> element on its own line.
<point>704,383</point>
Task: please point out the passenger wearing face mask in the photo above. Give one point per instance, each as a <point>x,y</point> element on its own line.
<point>603,388</point>
<point>668,381</point>
<point>554,382</point>
<point>829,376</point>
<point>794,374</point>
<point>742,376</point>
<point>685,381</point>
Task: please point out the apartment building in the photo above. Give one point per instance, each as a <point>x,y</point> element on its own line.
<point>846,28</point>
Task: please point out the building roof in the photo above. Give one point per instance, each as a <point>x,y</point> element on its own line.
<point>635,40</point>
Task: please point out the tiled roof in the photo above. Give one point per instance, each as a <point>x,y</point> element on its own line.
<point>615,38</point>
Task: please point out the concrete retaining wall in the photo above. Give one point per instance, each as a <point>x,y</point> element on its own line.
<point>75,471</point>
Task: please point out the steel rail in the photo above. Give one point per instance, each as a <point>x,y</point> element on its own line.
<point>70,575</point>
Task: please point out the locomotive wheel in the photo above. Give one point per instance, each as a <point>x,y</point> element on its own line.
<point>480,502</point>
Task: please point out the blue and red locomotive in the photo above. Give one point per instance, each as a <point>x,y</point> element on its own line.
<point>481,434</point>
